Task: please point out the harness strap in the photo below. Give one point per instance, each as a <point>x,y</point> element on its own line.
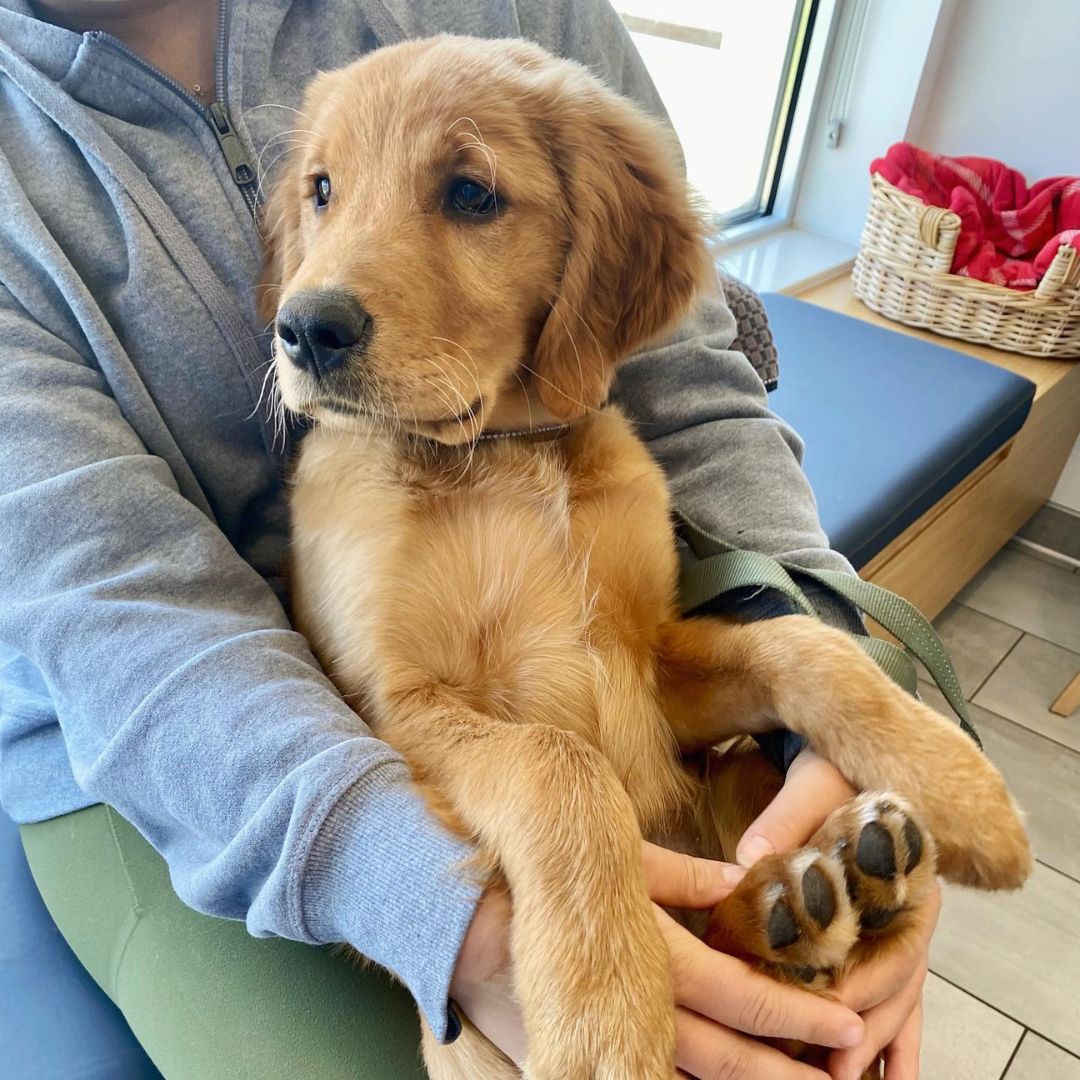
<point>721,568</point>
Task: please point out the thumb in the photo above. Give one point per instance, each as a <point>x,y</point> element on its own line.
<point>677,880</point>
<point>812,790</point>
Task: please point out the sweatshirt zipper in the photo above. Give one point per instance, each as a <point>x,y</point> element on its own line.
<point>216,114</point>
<point>236,155</point>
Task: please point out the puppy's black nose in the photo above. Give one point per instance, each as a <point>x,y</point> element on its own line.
<point>318,330</point>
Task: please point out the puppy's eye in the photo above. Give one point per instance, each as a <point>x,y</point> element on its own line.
<point>470,198</point>
<point>322,191</point>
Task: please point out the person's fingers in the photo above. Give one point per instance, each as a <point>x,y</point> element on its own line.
<point>812,790</point>
<point>884,1023</point>
<point>880,978</point>
<point>724,989</point>
<point>709,1051</point>
<point>902,1054</point>
<point>678,880</point>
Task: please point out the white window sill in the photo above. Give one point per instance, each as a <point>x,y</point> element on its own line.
<point>774,257</point>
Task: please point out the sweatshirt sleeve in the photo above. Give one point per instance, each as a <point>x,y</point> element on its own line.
<point>733,465</point>
<point>188,703</point>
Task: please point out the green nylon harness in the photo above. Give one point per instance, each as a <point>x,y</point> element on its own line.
<point>720,568</point>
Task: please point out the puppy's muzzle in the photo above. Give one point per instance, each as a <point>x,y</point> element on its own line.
<point>319,330</point>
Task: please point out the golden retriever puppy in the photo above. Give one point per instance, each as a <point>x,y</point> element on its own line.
<point>471,237</point>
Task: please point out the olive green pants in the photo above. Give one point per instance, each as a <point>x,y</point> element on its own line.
<point>206,1000</point>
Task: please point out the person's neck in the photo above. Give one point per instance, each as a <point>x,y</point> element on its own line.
<point>177,36</point>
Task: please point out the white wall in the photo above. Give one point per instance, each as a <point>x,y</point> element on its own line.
<point>1007,86</point>
<point>836,183</point>
<point>1067,492</point>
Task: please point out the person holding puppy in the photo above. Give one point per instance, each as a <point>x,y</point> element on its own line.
<point>154,697</point>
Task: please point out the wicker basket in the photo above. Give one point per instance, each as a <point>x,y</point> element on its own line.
<point>902,271</point>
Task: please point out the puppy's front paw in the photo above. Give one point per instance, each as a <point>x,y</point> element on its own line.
<point>799,914</point>
<point>888,858</point>
<point>792,913</point>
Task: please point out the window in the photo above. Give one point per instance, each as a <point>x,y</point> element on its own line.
<point>729,72</point>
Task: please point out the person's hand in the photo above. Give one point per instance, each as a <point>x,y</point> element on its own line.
<point>813,789</point>
<point>481,984</point>
<point>886,990</point>
<point>721,1002</point>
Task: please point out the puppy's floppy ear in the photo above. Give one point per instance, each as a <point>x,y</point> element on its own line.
<point>280,229</point>
<point>636,254</point>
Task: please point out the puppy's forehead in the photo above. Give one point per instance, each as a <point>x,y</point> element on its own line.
<point>425,108</point>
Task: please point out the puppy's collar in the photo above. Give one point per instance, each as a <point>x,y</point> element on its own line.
<point>547,433</point>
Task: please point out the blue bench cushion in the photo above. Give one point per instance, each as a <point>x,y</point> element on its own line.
<point>892,423</point>
<point>55,1023</point>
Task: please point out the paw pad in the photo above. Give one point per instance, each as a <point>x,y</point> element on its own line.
<point>783,929</point>
<point>801,913</point>
<point>877,918</point>
<point>881,847</point>
<point>875,853</point>
<point>914,841</point>
<point>818,897</point>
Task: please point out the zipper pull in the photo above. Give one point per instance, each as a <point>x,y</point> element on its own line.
<point>236,157</point>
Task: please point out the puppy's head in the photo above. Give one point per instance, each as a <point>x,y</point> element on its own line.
<point>463,222</point>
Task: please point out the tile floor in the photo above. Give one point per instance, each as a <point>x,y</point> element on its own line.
<point>1003,999</point>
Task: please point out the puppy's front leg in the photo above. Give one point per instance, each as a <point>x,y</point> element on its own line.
<point>590,966</point>
<point>720,678</point>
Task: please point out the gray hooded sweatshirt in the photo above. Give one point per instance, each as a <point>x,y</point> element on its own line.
<point>146,659</point>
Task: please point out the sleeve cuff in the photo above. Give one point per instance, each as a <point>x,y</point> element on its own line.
<point>385,876</point>
<point>755,604</point>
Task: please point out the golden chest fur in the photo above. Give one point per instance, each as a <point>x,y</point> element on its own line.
<point>528,577</point>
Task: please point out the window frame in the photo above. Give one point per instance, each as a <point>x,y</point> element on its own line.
<point>800,40</point>
<point>813,233</point>
<point>796,101</point>
<point>779,209</point>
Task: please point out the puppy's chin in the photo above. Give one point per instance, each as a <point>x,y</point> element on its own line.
<point>348,418</point>
<point>309,398</point>
<point>342,416</point>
